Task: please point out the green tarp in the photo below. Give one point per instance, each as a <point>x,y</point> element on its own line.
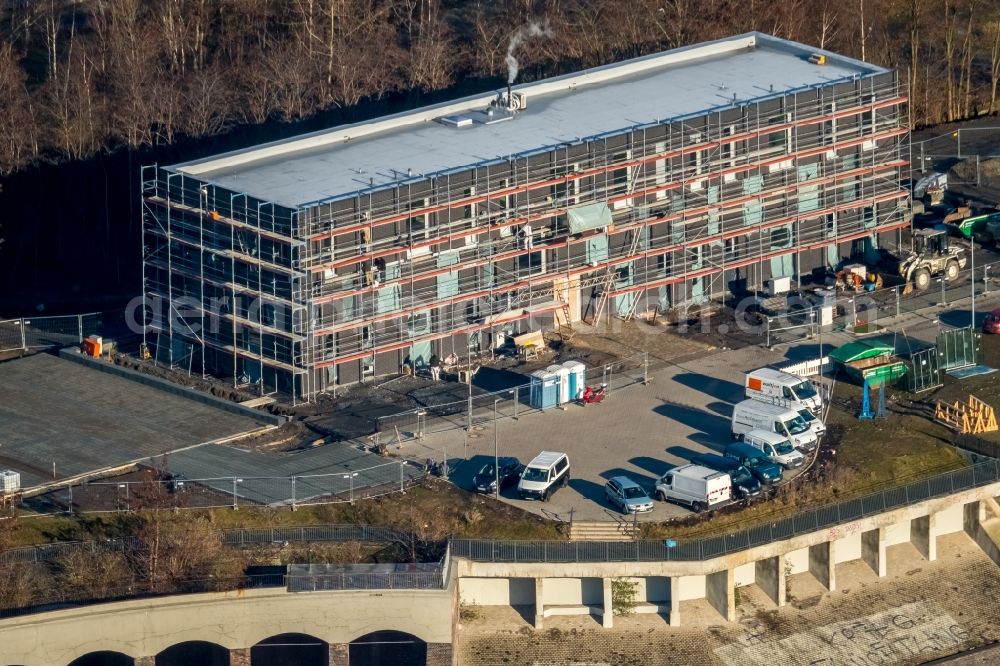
<point>591,216</point>
<point>859,350</point>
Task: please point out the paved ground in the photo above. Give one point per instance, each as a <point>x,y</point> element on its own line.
<point>57,411</point>
<point>920,611</point>
<point>642,431</point>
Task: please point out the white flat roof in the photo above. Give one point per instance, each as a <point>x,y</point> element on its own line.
<point>343,160</point>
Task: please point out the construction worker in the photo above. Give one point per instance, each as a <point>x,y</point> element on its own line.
<point>435,364</point>
<point>529,242</point>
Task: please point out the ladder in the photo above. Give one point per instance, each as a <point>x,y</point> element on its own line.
<point>609,280</point>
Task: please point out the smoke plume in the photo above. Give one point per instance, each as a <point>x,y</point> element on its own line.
<point>533,29</point>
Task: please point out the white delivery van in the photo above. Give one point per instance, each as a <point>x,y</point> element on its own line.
<point>753,414</point>
<point>813,422</point>
<point>545,474</point>
<point>776,447</point>
<point>698,487</point>
<point>770,385</point>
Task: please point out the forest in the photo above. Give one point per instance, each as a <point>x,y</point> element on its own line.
<point>82,76</point>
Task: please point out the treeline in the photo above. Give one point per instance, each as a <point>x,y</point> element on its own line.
<point>79,76</point>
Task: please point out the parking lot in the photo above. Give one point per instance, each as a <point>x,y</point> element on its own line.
<point>640,432</point>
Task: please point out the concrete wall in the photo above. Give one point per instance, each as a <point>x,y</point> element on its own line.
<point>497,591</point>
<point>948,520</point>
<point>231,619</point>
<point>745,574</point>
<point>797,561</point>
<point>573,591</point>
<point>900,532</point>
<point>691,587</point>
<point>847,549</point>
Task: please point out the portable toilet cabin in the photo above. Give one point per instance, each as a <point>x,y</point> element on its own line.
<point>562,373</point>
<point>544,389</point>
<point>577,378</point>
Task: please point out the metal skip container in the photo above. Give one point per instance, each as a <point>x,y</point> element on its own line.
<point>544,389</point>
<point>577,378</point>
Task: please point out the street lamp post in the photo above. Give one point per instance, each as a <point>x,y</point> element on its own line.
<point>972,244</point>
<point>235,496</point>
<point>496,451</point>
<point>350,478</point>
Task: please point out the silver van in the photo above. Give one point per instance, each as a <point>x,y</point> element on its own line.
<point>545,474</point>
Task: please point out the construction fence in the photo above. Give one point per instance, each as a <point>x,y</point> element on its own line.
<point>874,309</point>
<point>348,486</point>
<point>32,333</point>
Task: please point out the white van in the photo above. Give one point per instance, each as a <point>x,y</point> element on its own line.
<point>776,447</point>
<point>775,386</point>
<point>548,472</point>
<point>698,487</point>
<point>753,414</point>
<point>813,422</point>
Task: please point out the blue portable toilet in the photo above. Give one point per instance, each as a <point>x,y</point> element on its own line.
<point>562,374</point>
<point>577,378</point>
<point>544,389</point>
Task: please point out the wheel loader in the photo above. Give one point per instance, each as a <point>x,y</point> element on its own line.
<point>931,257</point>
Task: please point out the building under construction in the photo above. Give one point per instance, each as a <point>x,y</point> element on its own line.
<point>662,182</point>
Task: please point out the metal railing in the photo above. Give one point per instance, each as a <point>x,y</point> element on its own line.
<point>716,546</point>
<point>244,536</point>
<point>323,577</point>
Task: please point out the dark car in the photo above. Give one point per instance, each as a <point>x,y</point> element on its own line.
<point>486,478</point>
<point>745,484</point>
<point>992,322</point>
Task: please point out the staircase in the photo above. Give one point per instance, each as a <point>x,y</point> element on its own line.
<point>598,530</point>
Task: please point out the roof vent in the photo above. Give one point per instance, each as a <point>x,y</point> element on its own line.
<point>817,59</point>
<point>455,120</point>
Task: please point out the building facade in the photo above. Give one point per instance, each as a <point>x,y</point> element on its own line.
<point>664,182</point>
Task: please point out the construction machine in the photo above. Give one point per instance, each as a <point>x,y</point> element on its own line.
<point>932,256</point>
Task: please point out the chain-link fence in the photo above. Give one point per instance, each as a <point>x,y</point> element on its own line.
<point>179,492</point>
<point>706,548</point>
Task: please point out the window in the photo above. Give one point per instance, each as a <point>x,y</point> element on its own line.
<point>779,139</point>
<point>660,169</point>
<point>734,247</point>
<point>469,210</point>
<point>621,180</point>
<point>663,265</point>
<point>868,217</point>
<point>781,237</point>
<point>828,130</point>
<point>867,116</point>
<point>566,192</point>
<point>694,161</point>
<point>830,225</point>
<point>728,149</point>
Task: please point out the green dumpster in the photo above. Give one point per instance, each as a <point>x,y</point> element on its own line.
<point>869,360</point>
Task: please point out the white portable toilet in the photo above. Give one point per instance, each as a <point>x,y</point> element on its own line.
<point>577,378</point>
<point>562,373</point>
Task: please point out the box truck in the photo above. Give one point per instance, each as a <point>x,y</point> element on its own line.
<point>775,386</point>
<point>698,487</point>
<point>753,415</point>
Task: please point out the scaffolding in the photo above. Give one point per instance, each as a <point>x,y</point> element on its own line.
<point>300,300</point>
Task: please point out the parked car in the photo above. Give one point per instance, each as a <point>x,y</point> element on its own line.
<point>627,495</point>
<point>992,322</point>
<point>745,484</point>
<point>485,480</point>
<point>698,487</point>
<point>545,474</point>
<point>759,464</point>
